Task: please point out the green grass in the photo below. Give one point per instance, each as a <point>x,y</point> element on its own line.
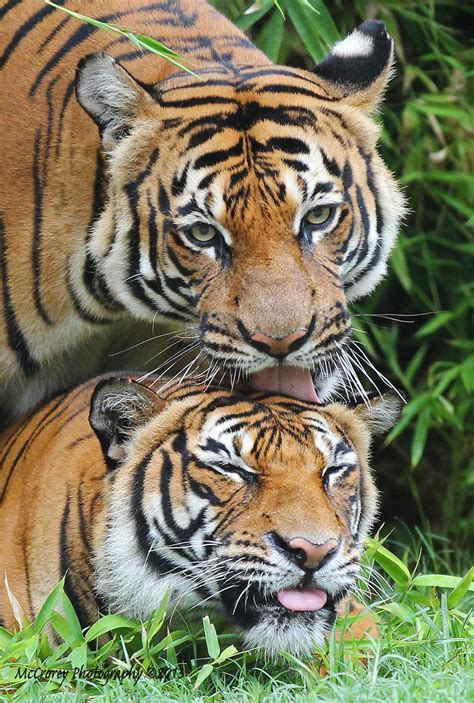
<point>425,646</point>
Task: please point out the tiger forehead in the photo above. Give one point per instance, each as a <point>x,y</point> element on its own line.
<point>273,84</point>
<point>254,429</point>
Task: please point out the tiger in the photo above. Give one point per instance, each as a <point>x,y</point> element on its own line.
<point>238,204</point>
<point>250,506</point>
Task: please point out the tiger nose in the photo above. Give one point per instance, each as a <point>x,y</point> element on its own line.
<point>304,553</point>
<point>279,346</point>
<point>312,555</point>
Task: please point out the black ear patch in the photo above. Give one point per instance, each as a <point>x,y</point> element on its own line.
<point>359,59</point>
<point>118,407</point>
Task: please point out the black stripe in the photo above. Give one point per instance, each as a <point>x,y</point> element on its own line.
<point>15,335</point>
<point>8,6</point>
<point>78,37</point>
<point>49,129</point>
<point>153,234</point>
<point>330,164</point>
<point>22,31</point>
<point>289,144</point>
<point>293,90</point>
<point>219,155</point>
<point>67,567</point>
<point>53,32</point>
<point>207,100</point>
<point>362,250</point>
<point>155,560</point>
<point>78,306</point>
<point>38,189</point>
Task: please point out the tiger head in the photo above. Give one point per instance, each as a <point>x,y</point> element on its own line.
<point>254,507</point>
<point>248,201</point>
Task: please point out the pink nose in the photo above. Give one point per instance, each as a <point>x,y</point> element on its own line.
<point>313,553</point>
<point>278,347</point>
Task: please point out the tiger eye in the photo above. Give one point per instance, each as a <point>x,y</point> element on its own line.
<point>203,232</point>
<point>318,215</point>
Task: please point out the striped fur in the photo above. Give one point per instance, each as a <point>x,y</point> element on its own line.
<point>191,493</point>
<point>95,224</point>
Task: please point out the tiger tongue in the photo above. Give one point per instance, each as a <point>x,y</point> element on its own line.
<point>301,599</point>
<point>289,380</point>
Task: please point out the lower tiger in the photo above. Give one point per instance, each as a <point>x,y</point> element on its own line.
<point>251,507</point>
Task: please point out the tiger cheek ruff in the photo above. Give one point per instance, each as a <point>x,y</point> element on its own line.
<point>252,507</point>
<point>247,202</point>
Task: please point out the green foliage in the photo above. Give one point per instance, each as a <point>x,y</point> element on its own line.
<point>421,615</point>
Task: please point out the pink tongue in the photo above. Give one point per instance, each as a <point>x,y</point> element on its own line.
<point>289,380</point>
<point>302,599</point>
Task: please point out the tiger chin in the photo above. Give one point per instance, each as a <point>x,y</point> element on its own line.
<point>251,507</point>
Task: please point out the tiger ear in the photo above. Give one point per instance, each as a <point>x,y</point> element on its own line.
<point>381,412</point>
<point>110,95</point>
<point>359,67</point>
<point>118,407</point>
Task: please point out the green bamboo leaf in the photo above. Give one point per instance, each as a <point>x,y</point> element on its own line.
<point>48,607</point>
<point>439,581</point>
<point>107,624</point>
<point>72,619</point>
<point>78,656</point>
<point>415,363</point>
<point>413,408</point>
<point>420,435</point>
<point>156,622</point>
<point>400,266</point>
<point>270,38</point>
<point>248,19</point>
<point>139,40</point>
<point>62,627</point>
<point>461,589</point>
<point>227,653</point>
<point>439,320</point>
<point>31,648</point>
<point>153,45</point>
<point>401,611</point>
<point>323,20</point>
<point>307,29</point>
<point>391,564</point>
<point>5,637</point>
<point>212,641</point>
<point>204,672</point>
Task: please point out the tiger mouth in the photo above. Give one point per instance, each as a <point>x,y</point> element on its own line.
<point>289,380</point>
<point>293,381</point>
<point>246,605</point>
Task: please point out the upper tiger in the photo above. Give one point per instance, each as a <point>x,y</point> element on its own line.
<point>253,507</point>
<point>247,201</point>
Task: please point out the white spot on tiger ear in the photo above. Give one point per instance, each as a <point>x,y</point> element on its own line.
<point>356,44</point>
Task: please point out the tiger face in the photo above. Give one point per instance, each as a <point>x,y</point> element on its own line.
<point>251,202</point>
<point>254,507</point>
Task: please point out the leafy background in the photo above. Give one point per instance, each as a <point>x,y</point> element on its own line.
<point>417,327</point>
